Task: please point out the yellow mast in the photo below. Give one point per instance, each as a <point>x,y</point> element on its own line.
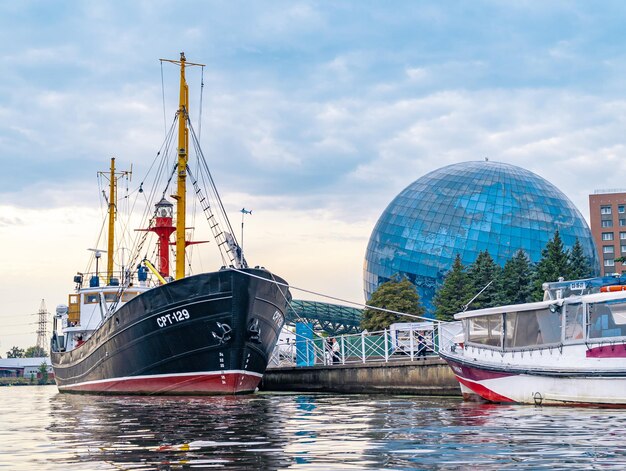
<point>112,214</point>
<point>181,169</point>
<point>181,193</point>
<point>112,200</point>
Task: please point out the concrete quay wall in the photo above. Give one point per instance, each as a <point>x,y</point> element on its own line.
<point>430,377</point>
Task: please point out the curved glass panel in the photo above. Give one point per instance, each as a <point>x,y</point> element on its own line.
<point>467,208</point>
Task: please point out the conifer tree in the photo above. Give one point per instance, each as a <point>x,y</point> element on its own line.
<point>396,295</point>
<point>578,264</point>
<point>517,279</point>
<point>553,264</point>
<point>483,271</point>
<point>454,293</point>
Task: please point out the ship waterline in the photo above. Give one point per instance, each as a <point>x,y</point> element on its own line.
<point>145,331</point>
<point>207,334</point>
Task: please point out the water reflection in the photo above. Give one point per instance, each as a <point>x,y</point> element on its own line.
<point>169,432</point>
<point>327,434</point>
<point>430,434</point>
<point>42,429</point>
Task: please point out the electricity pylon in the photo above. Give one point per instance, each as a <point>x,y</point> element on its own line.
<point>42,328</point>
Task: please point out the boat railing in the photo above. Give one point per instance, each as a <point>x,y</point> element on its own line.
<point>389,345</point>
<point>566,288</point>
<point>118,278</point>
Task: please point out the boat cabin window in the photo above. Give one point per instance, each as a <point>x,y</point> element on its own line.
<point>92,298</point>
<point>607,319</point>
<point>128,295</point>
<point>532,328</point>
<point>573,322</point>
<point>519,330</point>
<point>485,330</point>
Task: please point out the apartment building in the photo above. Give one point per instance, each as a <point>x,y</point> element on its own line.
<point>607,211</point>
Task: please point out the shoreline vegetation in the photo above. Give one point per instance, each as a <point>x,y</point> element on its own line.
<point>20,381</point>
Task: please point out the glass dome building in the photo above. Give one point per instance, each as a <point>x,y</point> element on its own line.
<point>467,208</point>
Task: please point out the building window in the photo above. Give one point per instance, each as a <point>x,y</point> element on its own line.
<point>607,223</point>
<point>620,209</point>
<point>609,235</point>
<point>623,248</point>
<point>609,263</point>
<point>622,222</point>
<point>608,249</point>
<point>605,210</point>
<point>622,235</point>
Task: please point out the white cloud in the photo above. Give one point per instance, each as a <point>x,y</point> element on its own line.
<point>295,19</point>
<point>417,73</point>
<point>315,117</point>
<point>41,251</point>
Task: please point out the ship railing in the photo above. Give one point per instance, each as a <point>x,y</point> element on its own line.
<point>389,345</point>
<point>118,278</point>
<point>564,289</point>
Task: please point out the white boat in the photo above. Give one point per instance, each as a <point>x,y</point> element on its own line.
<point>569,349</point>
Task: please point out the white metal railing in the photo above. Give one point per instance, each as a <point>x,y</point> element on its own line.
<point>411,342</point>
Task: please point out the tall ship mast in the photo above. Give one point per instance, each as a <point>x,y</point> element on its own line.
<point>181,168</point>
<point>143,331</point>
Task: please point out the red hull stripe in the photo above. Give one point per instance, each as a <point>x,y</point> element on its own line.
<point>476,374</point>
<point>211,382</point>
<point>483,391</point>
<point>607,351</point>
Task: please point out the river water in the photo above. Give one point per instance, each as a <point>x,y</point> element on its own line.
<point>42,429</point>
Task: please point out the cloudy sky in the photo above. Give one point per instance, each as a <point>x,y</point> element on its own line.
<point>315,115</point>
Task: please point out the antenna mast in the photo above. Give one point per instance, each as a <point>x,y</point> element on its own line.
<point>466,306</point>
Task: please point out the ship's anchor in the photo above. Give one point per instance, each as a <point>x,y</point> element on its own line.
<point>254,331</point>
<point>225,334</point>
<point>538,398</point>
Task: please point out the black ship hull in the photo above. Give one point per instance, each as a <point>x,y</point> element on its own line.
<point>206,334</point>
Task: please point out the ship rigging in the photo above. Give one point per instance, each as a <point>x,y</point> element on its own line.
<point>210,333</point>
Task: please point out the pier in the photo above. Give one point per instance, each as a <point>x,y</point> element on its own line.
<point>400,360</point>
<point>427,377</point>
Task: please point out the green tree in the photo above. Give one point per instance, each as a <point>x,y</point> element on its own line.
<point>43,371</point>
<point>578,265</point>
<point>517,279</point>
<point>554,263</point>
<point>482,272</point>
<point>396,295</point>
<point>15,352</point>
<point>454,293</point>
<point>34,352</point>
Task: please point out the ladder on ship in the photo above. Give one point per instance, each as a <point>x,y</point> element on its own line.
<point>229,249</point>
